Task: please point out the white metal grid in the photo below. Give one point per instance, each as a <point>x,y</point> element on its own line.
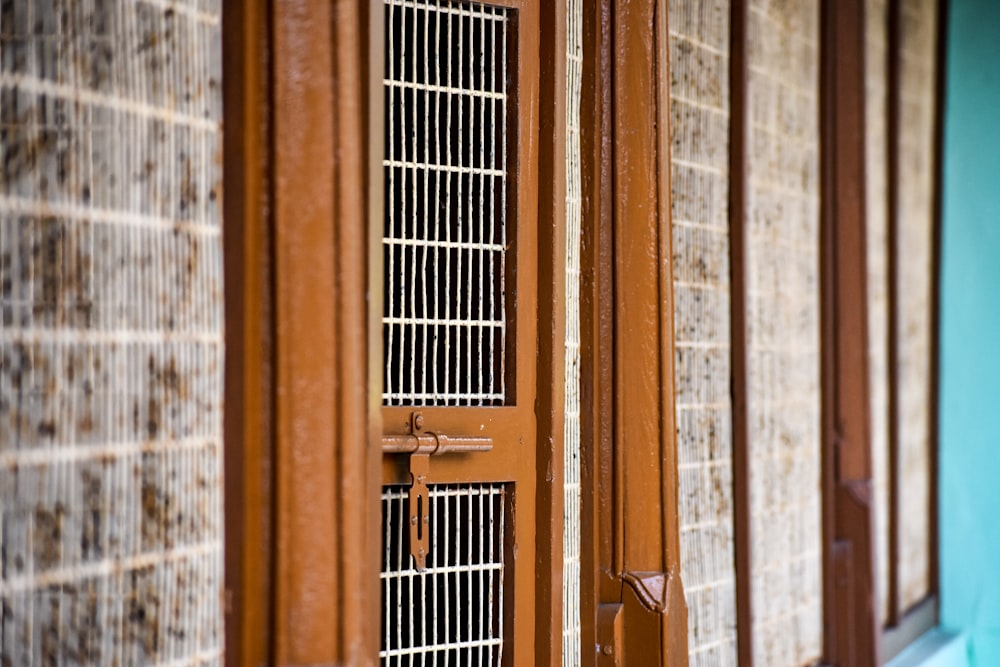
<point>450,613</point>
<point>445,236</point>
<point>571,631</point>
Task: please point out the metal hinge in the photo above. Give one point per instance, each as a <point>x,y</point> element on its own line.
<point>421,444</point>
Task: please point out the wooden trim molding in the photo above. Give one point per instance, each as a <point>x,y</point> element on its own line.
<point>249,333</point>
<point>738,138</point>
<point>598,553</point>
<point>848,510</point>
<point>326,469</point>
<point>639,551</point>
<point>893,104</point>
<point>551,282</point>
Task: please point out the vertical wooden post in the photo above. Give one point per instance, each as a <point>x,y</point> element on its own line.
<point>247,233</point>
<point>326,461</point>
<point>551,330</point>
<point>848,511</point>
<point>655,613</point>
<point>738,133</point>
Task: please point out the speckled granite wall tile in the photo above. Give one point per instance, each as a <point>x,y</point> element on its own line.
<point>699,88</point>
<point>110,332</point>
<point>877,200</point>
<point>917,77</point>
<point>782,257</point>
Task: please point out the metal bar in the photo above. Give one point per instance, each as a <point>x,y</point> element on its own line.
<point>435,443</point>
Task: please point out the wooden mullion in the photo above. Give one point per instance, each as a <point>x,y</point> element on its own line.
<point>325,576</point>
<point>249,302</point>
<point>848,508</point>
<point>893,127</point>
<point>596,399</point>
<point>551,280</point>
<point>738,137</point>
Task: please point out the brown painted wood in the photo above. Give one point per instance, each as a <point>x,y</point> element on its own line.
<point>738,136</point>
<point>848,512</point>
<point>527,434</point>
<point>306,583</point>
<point>551,333</point>
<point>249,334</point>
<point>655,620</point>
<point>638,339</point>
<point>325,575</point>
<point>631,549</point>
<point>892,126</point>
<point>597,474</point>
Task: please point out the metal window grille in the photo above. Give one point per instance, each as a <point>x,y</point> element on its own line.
<point>445,237</point>
<point>450,613</point>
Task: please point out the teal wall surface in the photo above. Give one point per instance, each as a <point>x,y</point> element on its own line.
<point>970,332</point>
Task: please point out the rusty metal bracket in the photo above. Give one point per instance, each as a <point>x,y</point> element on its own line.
<point>421,444</point>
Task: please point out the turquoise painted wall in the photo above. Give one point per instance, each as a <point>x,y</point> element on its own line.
<point>970,332</point>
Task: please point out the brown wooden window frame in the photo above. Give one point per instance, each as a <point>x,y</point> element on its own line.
<point>906,625</point>
<point>852,635</point>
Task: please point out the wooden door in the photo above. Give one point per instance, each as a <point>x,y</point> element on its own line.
<point>456,256</point>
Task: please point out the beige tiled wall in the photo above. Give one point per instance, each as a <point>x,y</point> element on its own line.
<point>877,201</point>
<point>110,333</point>
<point>782,237</point>
<point>699,75</point>
<point>918,44</point>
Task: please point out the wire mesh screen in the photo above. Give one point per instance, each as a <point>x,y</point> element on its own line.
<point>783,356</point>
<point>446,223</point>
<point>699,126</point>
<point>450,613</point>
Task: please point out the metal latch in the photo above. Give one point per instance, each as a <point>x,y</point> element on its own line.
<point>421,444</point>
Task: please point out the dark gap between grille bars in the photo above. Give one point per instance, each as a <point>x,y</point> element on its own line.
<point>451,612</point>
<point>446,238</point>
